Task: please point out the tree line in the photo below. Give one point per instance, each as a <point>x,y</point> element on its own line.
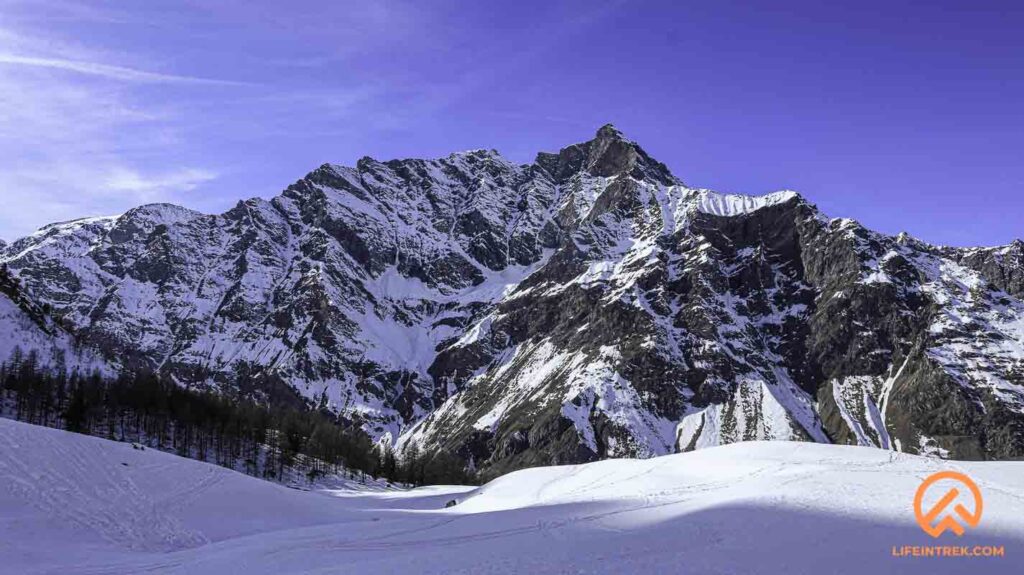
<point>258,439</point>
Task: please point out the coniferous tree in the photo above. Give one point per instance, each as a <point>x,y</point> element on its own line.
<point>231,431</point>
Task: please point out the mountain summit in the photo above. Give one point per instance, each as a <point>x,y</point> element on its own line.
<point>587,305</point>
<point>608,154</point>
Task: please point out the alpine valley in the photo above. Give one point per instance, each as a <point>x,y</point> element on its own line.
<point>589,305</point>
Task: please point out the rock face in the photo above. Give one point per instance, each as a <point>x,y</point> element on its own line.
<point>587,305</point>
<point>28,333</point>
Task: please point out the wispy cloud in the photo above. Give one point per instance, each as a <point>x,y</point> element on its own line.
<point>150,187</point>
<point>62,11</point>
<point>77,139</point>
<point>107,71</point>
<point>104,106</point>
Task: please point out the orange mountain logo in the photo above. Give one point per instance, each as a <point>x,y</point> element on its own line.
<point>939,517</point>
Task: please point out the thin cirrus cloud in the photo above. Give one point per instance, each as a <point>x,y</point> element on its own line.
<point>78,137</point>
<point>103,106</point>
<point>108,71</point>
<point>151,187</point>
<point>89,126</point>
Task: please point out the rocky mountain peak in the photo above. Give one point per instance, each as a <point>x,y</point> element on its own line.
<point>609,131</point>
<point>905,239</point>
<point>609,154</point>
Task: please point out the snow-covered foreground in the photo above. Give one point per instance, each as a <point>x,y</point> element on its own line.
<point>77,504</point>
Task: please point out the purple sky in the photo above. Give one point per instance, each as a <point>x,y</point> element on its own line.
<point>905,118</point>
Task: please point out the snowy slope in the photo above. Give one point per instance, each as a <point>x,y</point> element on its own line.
<point>77,504</point>
<point>53,347</point>
<point>91,498</point>
<point>27,329</point>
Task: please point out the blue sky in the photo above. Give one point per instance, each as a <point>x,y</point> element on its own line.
<point>904,117</point>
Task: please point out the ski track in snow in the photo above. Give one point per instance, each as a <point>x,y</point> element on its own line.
<point>83,505</point>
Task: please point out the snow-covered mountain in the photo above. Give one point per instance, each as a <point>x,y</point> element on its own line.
<point>584,306</point>
<point>75,504</point>
<point>28,327</point>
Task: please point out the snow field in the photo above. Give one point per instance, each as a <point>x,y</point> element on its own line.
<point>78,504</point>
